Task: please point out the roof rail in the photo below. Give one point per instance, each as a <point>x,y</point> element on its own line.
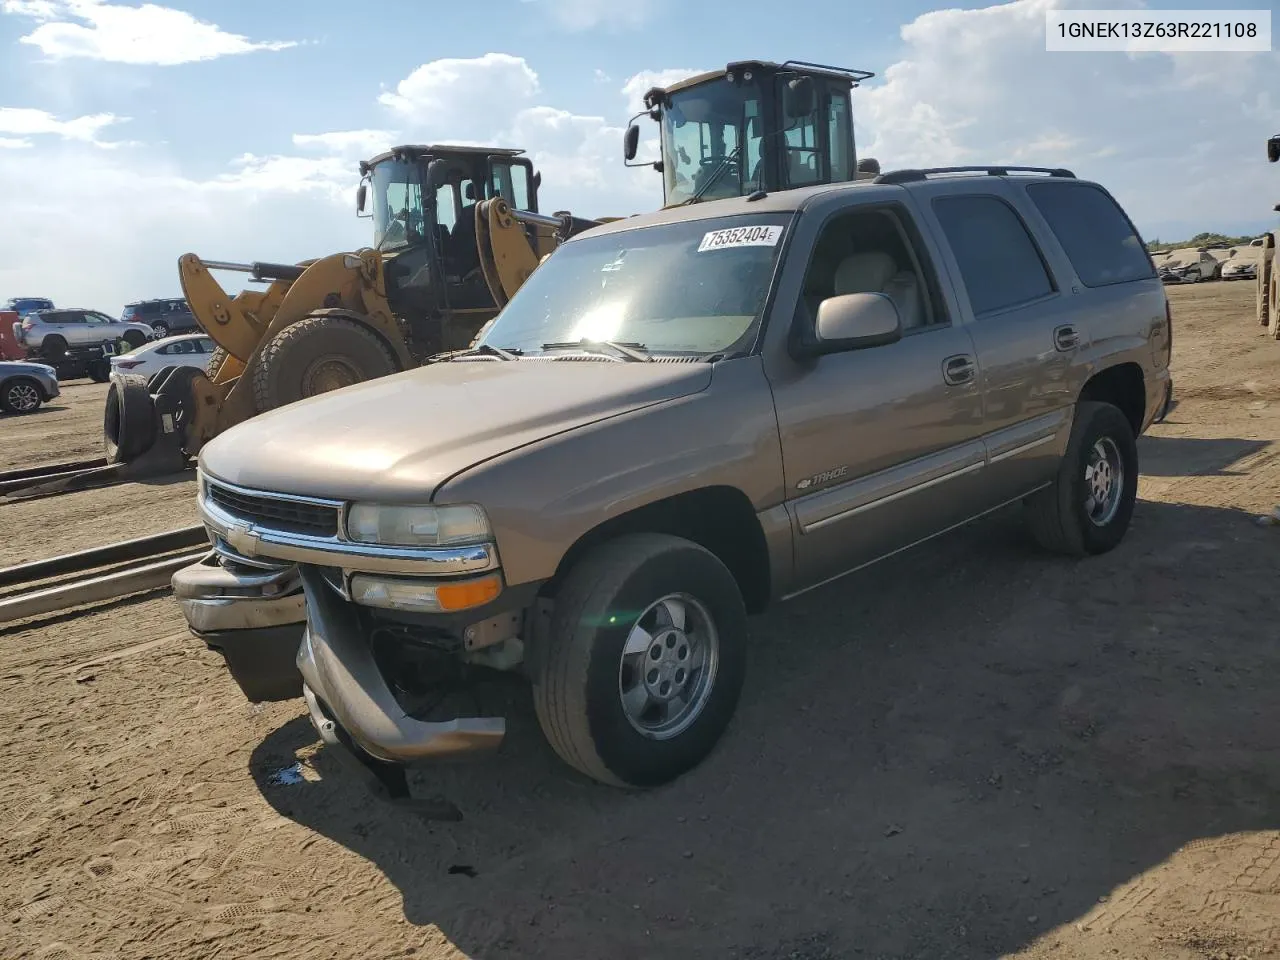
<point>915,175</point>
<point>854,75</point>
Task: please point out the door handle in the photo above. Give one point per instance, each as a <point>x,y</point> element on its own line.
<point>959,369</point>
<point>1066,337</point>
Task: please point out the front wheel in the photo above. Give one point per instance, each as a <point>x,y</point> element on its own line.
<point>645,661</point>
<point>1088,508</point>
<point>134,338</point>
<point>315,355</point>
<point>20,395</point>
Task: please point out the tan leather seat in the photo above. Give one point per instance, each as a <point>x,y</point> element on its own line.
<point>876,272</point>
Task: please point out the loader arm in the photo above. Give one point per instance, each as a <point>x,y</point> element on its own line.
<point>236,324</point>
<point>507,256</point>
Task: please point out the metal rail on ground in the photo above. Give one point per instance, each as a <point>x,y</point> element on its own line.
<point>50,469</point>
<point>136,549</point>
<point>148,568</point>
<point>109,586</point>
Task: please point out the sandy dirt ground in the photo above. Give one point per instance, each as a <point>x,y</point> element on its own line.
<point>70,428</point>
<point>969,751</point>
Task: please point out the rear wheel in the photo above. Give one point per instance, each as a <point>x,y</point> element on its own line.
<point>20,395</point>
<point>317,355</point>
<point>161,328</point>
<point>128,425</point>
<point>54,347</point>
<point>645,660</point>
<point>1088,508</point>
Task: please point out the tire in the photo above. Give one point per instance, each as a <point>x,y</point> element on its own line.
<point>216,360</point>
<point>161,329</point>
<point>578,673</point>
<point>53,347</point>
<point>99,370</point>
<point>128,426</point>
<point>315,355</point>
<point>1058,516</point>
<point>134,338</point>
<point>20,395</point>
<point>1265,266</point>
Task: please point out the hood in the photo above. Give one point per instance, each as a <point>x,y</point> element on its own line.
<point>25,366</point>
<point>397,438</point>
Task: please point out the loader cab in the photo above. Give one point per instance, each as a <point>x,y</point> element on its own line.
<point>423,210</point>
<point>753,126</point>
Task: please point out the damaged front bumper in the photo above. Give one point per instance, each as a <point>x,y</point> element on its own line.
<point>344,687</point>
<point>253,616</point>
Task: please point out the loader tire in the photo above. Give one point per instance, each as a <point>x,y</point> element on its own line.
<point>216,360</point>
<point>316,355</point>
<point>1265,267</point>
<point>129,424</point>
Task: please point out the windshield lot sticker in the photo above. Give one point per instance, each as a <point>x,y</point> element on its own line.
<point>757,236</point>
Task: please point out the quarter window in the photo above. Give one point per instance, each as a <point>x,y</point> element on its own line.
<point>1095,233</point>
<point>998,260</point>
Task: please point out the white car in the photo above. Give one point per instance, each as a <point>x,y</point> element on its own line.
<point>185,350</point>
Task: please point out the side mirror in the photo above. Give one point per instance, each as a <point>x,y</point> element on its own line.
<point>869,165</point>
<point>1273,149</point>
<point>853,321</point>
<point>362,193</point>
<point>798,97</point>
<point>537,180</point>
<point>630,142</point>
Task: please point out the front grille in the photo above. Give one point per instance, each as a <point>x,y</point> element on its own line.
<point>290,516</point>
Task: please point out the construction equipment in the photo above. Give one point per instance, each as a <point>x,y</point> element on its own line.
<point>1268,297</point>
<point>456,232</point>
<point>755,125</point>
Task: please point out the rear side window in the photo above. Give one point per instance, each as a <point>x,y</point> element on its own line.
<point>999,261</point>
<point>1095,233</point>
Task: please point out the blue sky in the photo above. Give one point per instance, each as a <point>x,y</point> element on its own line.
<point>130,133</point>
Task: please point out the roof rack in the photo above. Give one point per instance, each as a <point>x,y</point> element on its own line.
<point>915,175</point>
<point>854,75</point>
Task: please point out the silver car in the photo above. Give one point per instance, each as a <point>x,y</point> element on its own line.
<point>24,386</point>
<point>51,332</point>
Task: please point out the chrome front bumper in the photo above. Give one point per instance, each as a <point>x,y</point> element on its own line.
<point>343,685</point>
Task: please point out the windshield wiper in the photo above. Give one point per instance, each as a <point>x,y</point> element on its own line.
<point>715,175</point>
<point>484,350</point>
<point>632,351</point>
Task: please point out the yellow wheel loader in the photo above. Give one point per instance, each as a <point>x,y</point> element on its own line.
<point>456,233</point>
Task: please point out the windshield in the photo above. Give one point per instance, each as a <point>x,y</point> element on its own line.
<point>701,129</point>
<point>678,288</point>
<point>398,215</point>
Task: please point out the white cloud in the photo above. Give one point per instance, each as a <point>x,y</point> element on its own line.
<point>146,34</point>
<point>977,86</point>
<point>127,218</point>
<point>641,83</point>
<point>26,121</point>
<point>460,98</point>
<point>15,143</point>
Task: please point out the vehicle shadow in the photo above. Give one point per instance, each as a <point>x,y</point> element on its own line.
<point>948,755</point>
<point>1194,456</point>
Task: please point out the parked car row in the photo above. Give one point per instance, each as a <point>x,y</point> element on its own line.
<point>42,342</point>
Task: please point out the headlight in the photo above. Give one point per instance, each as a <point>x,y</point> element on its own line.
<point>417,526</point>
